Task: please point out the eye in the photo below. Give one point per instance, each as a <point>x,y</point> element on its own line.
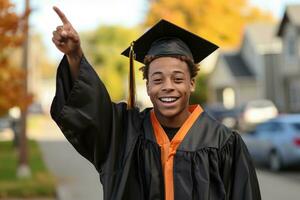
<point>178,79</point>
<point>157,80</point>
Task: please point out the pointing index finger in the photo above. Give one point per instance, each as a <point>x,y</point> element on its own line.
<point>61,15</point>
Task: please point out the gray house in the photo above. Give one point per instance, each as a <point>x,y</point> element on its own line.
<point>289,32</point>
<point>250,72</point>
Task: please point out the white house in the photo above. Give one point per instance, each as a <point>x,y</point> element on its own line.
<point>250,72</point>
<point>289,31</point>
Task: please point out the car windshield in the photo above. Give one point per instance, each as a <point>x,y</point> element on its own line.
<point>261,104</point>
<point>296,126</point>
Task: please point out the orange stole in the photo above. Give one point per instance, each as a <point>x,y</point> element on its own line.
<point>168,149</point>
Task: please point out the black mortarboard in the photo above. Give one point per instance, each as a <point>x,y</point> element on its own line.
<point>164,39</point>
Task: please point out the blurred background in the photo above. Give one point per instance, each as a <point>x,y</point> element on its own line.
<point>251,84</point>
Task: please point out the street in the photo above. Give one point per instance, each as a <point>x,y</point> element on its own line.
<point>279,186</point>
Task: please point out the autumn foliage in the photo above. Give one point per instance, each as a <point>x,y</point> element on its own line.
<point>12,78</point>
<point>220,21</point>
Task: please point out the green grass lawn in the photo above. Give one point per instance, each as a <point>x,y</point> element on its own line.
<point>41,183</point>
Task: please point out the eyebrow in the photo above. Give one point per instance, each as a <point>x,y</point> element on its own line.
<point>160,73</point>
<point>180,72</point>
<point>156,73</point>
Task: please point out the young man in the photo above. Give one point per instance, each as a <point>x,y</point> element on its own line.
<point>173,151</point>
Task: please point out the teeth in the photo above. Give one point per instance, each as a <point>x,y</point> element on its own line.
<point>168,99</point>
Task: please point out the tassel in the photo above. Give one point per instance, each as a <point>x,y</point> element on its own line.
<point>131,98</point>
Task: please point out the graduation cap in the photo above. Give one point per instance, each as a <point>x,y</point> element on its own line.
<point>165,39</point>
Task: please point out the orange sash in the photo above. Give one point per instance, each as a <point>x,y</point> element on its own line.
<point>168,149</point>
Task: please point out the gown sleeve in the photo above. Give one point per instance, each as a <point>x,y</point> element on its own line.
<point>84,112</point>
<point>238,171</point>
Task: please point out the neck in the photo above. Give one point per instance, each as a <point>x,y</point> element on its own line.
<point>173,121</point>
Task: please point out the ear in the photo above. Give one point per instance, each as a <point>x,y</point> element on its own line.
<point>192,84</point>
<point>147,86</point>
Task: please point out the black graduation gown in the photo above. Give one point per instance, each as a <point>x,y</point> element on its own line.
<point>211,163</point>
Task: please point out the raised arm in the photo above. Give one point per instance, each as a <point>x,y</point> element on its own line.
<point>67,40</point>
<point>82,107</point>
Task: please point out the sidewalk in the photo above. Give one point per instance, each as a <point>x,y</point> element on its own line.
<point>77,178</point>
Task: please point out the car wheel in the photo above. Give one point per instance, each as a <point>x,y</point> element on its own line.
<point>275,161</point>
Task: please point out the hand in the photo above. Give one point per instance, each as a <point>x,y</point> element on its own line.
<point>65,37</point>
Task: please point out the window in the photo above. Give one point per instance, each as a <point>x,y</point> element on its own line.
<point>294,95</point>
<point>270,128</point>
<point>228,98</point>
<point>264,127</point>
<point>296,126</point>
<point>290,45</point>
<point>291,48</point>
<point>276,127</point>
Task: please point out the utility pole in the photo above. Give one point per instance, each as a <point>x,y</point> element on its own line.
<point>23,169</point>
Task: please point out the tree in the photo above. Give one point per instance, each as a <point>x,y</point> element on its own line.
<point>220,21</point>
<point>201,87</point>
<point>103,47</point>
<point>11,77</point>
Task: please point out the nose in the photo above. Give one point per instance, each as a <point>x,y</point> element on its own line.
<point>168,85</point>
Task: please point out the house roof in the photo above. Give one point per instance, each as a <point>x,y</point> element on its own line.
<point>291,15</point>
<point>237,65</point>
<point>262,33</point>
<point>263,37</point>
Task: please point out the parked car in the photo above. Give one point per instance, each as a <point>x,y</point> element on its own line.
<point>8,120</point>
<point>255,112</point>
<point>5,122</point>
<point>276,142</point>
<point>36,108</point>
<point>226,116</point>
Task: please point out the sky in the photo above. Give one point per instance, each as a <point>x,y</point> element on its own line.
<point>88,14</point>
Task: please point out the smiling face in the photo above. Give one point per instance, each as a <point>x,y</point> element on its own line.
<point>169,87</point>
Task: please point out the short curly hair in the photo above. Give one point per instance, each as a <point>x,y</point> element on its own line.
<point>193,68</point>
